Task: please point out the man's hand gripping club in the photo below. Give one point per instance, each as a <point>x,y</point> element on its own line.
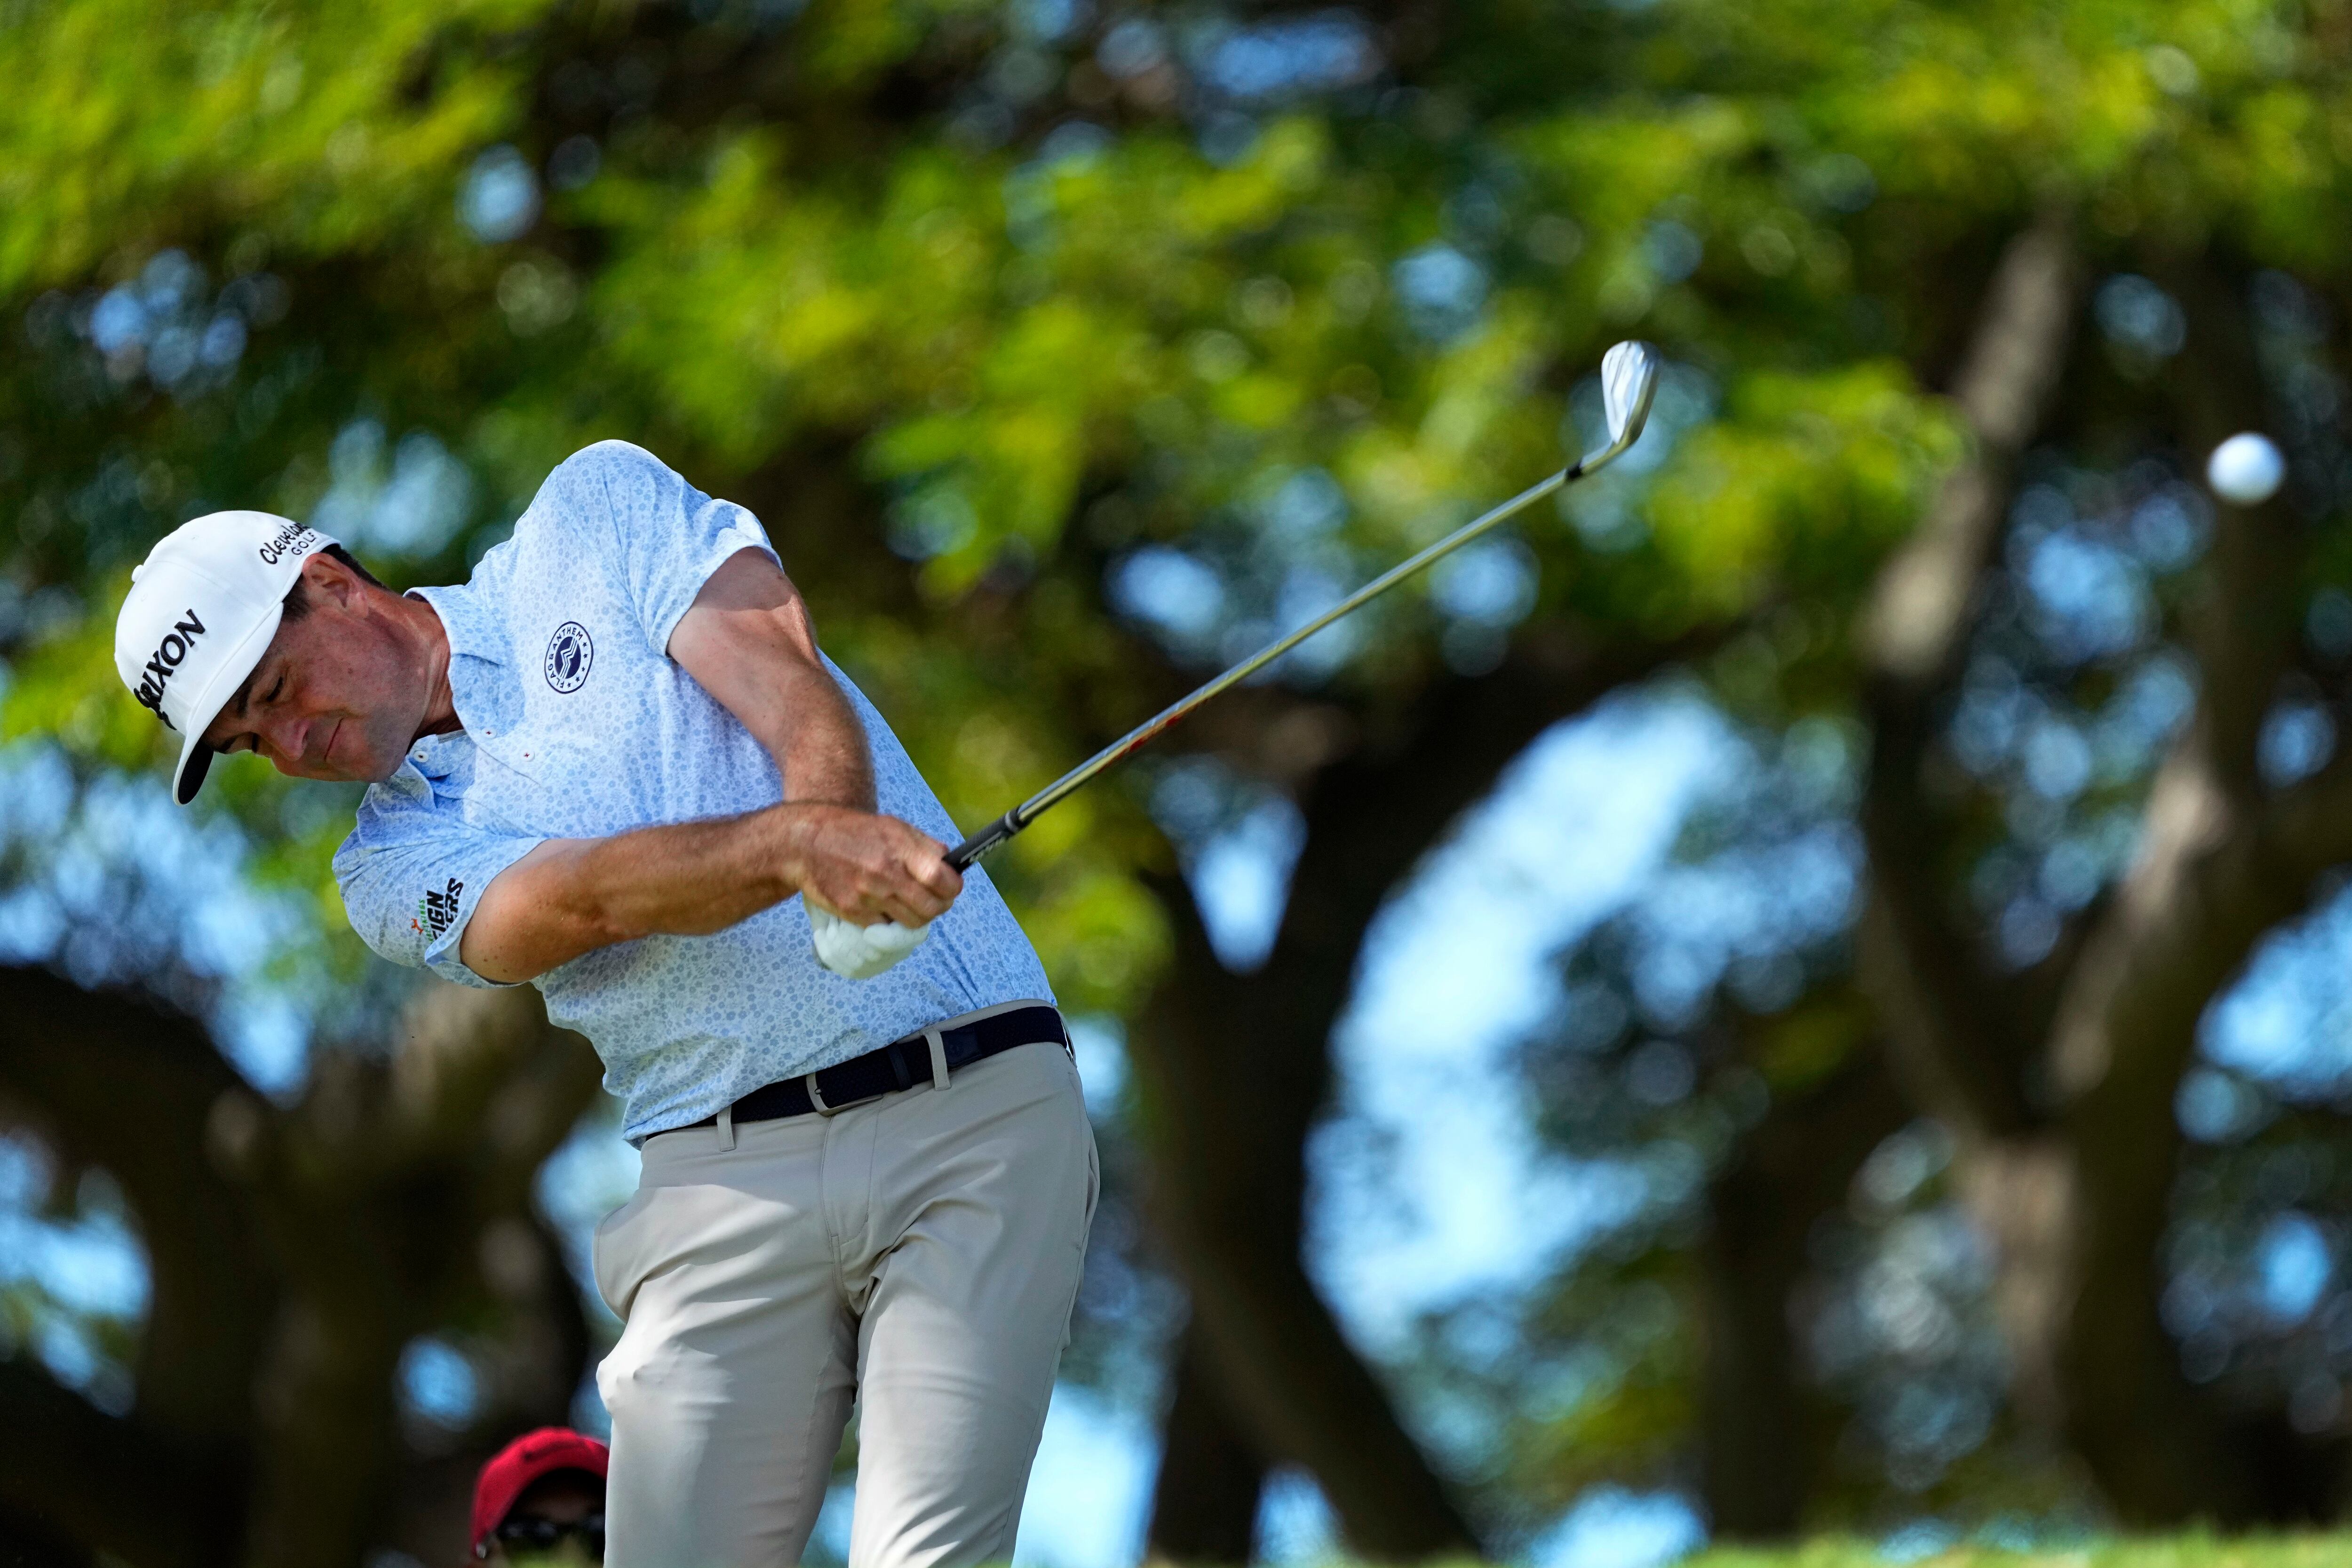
<point>872,884</point>
<point>872,899</point>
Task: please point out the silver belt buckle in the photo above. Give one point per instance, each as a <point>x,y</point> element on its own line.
<point>816,1097</point>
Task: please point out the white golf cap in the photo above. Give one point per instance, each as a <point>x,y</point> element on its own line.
<point>201,609</point>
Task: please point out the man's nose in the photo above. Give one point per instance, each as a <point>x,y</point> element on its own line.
<point>284,734</point>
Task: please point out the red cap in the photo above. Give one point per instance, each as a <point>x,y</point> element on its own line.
<point>523,1461</point>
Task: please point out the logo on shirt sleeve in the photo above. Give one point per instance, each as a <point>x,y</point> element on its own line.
<point>436,911</point>
<point>569,652</point>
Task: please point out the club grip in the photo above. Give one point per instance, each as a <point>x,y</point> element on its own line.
<point>964,856</point>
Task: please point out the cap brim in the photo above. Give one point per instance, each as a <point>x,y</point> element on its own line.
<point>195,761</point>
<point>196,757</point>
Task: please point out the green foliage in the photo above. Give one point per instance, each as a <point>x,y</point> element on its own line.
<point>967,349</point>
<point>1808,472</point>
<point>327,127</point>
<point>995,337</point>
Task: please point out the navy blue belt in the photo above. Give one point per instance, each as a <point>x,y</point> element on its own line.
<point>901,1064</point>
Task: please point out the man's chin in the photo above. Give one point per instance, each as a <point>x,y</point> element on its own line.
<point>329,772</point>
<point>346,769</point>
<point>373,769</point>
<point>358,764</point>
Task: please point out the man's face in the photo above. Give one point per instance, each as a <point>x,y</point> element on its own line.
<point>337,695</point>
<point>548,1525</point>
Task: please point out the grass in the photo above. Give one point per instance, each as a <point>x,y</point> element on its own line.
<point>2190,1550</point>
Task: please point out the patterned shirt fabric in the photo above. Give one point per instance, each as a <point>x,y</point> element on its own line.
<point>579,725</point>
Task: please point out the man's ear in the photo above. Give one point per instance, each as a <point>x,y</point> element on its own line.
<point>323,575</point>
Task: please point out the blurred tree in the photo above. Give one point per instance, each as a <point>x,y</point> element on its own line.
<point>1233,1098</point>
<point>2067,846</point>
<point>1068,352</point>
<point>296,1252</point>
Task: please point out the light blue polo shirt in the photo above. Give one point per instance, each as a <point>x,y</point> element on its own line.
<point>579,725</point>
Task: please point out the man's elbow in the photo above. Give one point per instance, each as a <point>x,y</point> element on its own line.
<point>521,937</point>
<point>498,952</point>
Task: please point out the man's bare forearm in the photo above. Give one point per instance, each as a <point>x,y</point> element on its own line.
<point>571,896</point>
<point>749,643</point>
<point>685,879</point>
<point>681,879</point>
<point>818,744</point>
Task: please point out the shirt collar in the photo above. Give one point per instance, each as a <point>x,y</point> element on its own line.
<point>481,685</point>
<point>472,630</point>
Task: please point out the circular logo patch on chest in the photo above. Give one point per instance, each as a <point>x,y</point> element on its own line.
<point>569,654</point>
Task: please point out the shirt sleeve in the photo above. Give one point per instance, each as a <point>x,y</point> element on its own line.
<point>412,873</point>
<point>669,536</point>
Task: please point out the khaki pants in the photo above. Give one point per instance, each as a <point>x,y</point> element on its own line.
<point>920,1251</point>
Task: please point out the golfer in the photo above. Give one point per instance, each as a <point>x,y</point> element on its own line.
<point>614,764</point>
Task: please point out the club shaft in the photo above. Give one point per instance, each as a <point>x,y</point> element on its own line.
<point>1141,734</point>
<point>996,833</point>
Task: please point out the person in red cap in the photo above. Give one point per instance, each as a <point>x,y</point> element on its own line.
<point>541,1501</point>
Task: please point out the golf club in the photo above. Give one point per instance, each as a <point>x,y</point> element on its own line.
<point>1629,379</point>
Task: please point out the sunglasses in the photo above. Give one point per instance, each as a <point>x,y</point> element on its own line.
<point>546,1535</point>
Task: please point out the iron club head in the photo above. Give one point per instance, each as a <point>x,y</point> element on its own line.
<point>1629,380</point>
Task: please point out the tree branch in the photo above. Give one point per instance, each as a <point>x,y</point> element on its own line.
<point>2210,879</point>
<point>1914,629</point>
<point>1955,1046</point>
<point>2180,917</point>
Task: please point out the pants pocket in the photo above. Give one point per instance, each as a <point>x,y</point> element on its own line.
<point>609,1258</point>
<point>1094,1185</point>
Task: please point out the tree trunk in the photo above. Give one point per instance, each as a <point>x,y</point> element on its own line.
<point>1204,1503</point>
<point>1763,1435</point>
<point>1235,1069</point>
<point>1228,1109</point>
<point>294,1254</point>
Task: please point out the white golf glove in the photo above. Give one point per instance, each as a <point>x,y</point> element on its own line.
<point>861,952</point>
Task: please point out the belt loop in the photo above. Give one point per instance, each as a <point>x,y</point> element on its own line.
<point>939,1059</point>
<point>816,1097</point>
<point>727,1126</point>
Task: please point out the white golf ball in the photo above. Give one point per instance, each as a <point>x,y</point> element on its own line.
<point>2245,469</point>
